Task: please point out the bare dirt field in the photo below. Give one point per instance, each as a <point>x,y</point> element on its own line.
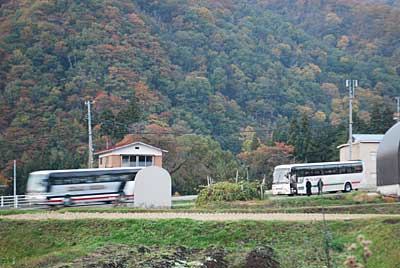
<point>196,216</point>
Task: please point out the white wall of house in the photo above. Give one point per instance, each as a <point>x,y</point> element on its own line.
<point>365,151</point>
<point>134,149</point>
<point>135,154</point>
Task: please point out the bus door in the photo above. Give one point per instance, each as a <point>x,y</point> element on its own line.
<point>293,182</point>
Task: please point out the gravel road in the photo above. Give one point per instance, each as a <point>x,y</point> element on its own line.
<point>195,216</point>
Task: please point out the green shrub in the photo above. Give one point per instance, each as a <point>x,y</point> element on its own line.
<point>226,192</point>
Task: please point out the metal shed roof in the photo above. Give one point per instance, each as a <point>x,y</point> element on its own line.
<point>367,137</point>
<point>363,138</point>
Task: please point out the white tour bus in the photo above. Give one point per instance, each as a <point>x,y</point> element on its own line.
<point>73,186</point>
<point>334,176</point>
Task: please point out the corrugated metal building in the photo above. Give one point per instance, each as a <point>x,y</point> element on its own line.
<point>388,162</point>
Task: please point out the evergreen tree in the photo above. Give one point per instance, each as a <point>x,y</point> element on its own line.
<point>387,119</point>
<point>293,135</point>
<point>255,143</point>
<point>126,117</point>
<point>376,120</point>
<point>359,125</point>
<point>306,138</point>
<point>381,118</point>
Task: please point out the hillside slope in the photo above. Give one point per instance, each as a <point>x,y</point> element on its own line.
<point>204,67</point>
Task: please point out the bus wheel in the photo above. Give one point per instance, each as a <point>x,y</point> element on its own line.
<point>68,201</point>
<point>347,187</point>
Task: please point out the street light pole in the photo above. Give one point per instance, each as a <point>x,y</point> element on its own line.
<point>90,160</point>
<point>351,86</point>
<point>398,109</point>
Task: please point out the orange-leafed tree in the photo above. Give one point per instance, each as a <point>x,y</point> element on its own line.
<point>263,160</point>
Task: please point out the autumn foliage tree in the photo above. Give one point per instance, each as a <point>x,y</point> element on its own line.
<point>264,159</point>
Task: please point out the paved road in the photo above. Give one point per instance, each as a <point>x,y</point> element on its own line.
<point>195,216</point>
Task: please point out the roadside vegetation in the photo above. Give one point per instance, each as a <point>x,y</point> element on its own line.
<point>59,243</point>
<point>227,192</point>
<point>356,202</point>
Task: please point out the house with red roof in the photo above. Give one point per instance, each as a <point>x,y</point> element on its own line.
<point>133,154</point>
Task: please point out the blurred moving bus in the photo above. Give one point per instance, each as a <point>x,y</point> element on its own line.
<point>74,186</point>
<point>333,176</point>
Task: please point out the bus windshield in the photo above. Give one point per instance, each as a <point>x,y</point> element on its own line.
<point>281,175</point>
<point>37,183</point>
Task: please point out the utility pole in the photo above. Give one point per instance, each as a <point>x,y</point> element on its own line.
<point>351,86</point>
<point>90,160</point>
<point>15,185</point>
<point>398,109</point>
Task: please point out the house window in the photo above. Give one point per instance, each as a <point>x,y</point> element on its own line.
<point>133,161</point>
<point>149,160</point>
<point>137,160</point>
<point>125,161</point>
<point>142,161</point>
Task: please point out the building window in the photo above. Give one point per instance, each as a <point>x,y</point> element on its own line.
<point>125,161</point>
<point>142,160</point>
<point>133,161</point>
<point>137,160</point>
<point>149,160</point>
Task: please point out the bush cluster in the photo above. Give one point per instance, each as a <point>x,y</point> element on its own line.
<point>227,191</point>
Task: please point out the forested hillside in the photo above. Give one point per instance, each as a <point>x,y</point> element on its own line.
<point>220,84</point>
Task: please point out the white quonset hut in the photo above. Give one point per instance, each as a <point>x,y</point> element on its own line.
<point>388,162</point>
<point>365,148</point>
<point>135,154</point>
<point>152,188</point>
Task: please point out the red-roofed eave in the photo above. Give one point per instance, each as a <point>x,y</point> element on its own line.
<point>110,149</point>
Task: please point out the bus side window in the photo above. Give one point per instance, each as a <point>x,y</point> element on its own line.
<point>326,170</point>
<point>342,169</point>
<point>350,169</point>
<point>55,181</point>
<point>102,178</point>
<point>336,170</point>
<point>331,170</point>
<point>131,177</point>
<point>358,169</point>
<point>316,172</point>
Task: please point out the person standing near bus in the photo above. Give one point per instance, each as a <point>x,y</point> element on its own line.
<point>320,185</point>
<point>308,188</point>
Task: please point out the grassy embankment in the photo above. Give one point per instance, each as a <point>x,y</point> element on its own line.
<point>47,243</point>
<point>356,202</point>
<point>333,203</point>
